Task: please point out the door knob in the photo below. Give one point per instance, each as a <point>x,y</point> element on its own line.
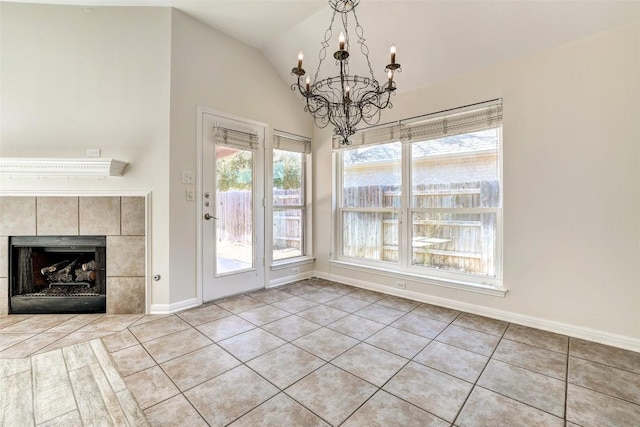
<point>208,216</point>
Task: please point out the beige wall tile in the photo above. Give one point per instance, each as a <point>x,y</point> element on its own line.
<point>125,295</point>
<point>4,296</point>
<point>57,216</point>
<point>125,256</point>
<point>100,215</point>
<point>17,216</point>
<point>133,216</point>
<point>4,256</point>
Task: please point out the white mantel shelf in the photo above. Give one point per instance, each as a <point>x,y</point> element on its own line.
<point>68,167</point>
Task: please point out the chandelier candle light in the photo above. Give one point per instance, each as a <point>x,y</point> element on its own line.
<point>345,100</point>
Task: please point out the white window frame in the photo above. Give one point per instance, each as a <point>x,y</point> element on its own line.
<point>403,268</point>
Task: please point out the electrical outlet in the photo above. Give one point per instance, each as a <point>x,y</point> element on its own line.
<point>401,285</point>
<point>294,270</point>
<point>93,152</point>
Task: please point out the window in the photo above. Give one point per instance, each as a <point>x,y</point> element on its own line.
<point>424,197</point>
<point>290,183</point>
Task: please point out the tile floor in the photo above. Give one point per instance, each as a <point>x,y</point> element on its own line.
<point>317,353</point>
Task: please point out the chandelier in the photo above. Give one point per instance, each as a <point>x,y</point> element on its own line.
<point>345,100</point>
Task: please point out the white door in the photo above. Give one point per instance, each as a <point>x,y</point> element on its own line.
<point>232,206</point>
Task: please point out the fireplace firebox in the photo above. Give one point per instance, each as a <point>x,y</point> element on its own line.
<point>57,274</point>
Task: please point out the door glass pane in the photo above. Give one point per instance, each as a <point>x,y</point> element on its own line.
<point>370,235</point>
<point>234,198</point>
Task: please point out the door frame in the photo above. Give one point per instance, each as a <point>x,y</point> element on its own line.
<point>201,111</point>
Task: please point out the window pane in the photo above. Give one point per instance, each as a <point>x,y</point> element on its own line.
<point>372,176</point>
<point>288,180</point>
<point>287,233</point>
<point>370,235</point>
<point>464,243</point>
<point>459,171</point>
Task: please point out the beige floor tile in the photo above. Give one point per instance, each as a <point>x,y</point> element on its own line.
<point>158,328</point>
<point>605,379</point>
<point>322,315</point>
<point>590,408</point>
<point>226,327</point>
<point>380,313</point>
<point>111,323</point>
<point>468,339</point>
<point>486,408</point>
<point>174,345</point>
<point>76,322</point>
<point>537,390</point>
<point>150,386</point>
<point>280,410</point>
<point>398,303</point>
<point>262,315</point>
<point>32,345</point>
<point>436,312</point>
<point>419,325</point>
<point>119,340</point>
<point>535,359</point>
<point>269,296</point>
<point>51,386</point>
<point>10,367</point>
<point>337,288</point>
<point>331,393</point>
<point>78,355</point>
<point>239,304</point>
<point>149,318</point>
<point>132,359</point>
<point>384,409</point>
<point>348,303</point>
<point>612,356</point>
<point>16,400</point>
<point>39,323</point>
<point>297,288</point>
<point>399,342</point>
<point>133,413</point>
<point>481,323</point>
<point>356,327</point>
<point>97,402</point>
<point>320,295</point>
<point>12,319</point>
<point>367,295</point>
<point>538,338</point>
<point>107,365</point>
<point>70,419</point>
<point>370,363</point>
<point>285,365</point>
<point>204,314</point>
<point>291,328</point>
<point>294,304</point>
<point>8,340</point>
<point>195,368</point>
<point>431,390</point>
<point>227,397</point>
<point>325,343</point>
<point>251,344</point>
<point>174,412</point>
<point>455,361</point>
<point>73,338</point>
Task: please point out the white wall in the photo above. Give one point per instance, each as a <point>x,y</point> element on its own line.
<point>571,183</point>
<point>73,80</point>
<point>213,70</point>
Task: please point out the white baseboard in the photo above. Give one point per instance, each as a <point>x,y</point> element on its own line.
<point>173,307</point>
<point>290,279</point>
<point>574,331</point>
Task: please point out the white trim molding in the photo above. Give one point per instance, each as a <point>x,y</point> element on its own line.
<point>293,278</point>
<point>66,167</point>
<point>173,307</point>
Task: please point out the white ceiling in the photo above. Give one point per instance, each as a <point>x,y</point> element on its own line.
<point>435,39</point>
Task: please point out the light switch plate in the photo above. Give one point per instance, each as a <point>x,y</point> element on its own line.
<point>93,152</point>
<point>188,177</point>
<point>191,195</point>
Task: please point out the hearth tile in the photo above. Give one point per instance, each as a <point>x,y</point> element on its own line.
<point>97,402</point>
<point>174,345</point>
<point>132,359</point>
<point>16,400</point>
<point>7,340</point>
<point>195,368</point>
<point>10,367</point>
<point>159,328</point>
<point>31,345</point>
<point>78,355</point>
<point>280,410</point>
<point>331,393</point>
<point>119,340</point>
<point>384,409</point>
<point>12,319</point>
<point>399,342</point>
<point>133,216</point>
<point>111,323</point>
<point>370,363</point>
<point>132,411</point>
<point>39,323</point>
<point>51,386</point>
<point>203,314</point>
<point>173,412</point>
<point>125,295</point>
<point>291,327</point>
<point>57,216</point>
<point>230,395</point>
<point>70,419</point>
<point>150,387</point>
<point>285,365</point>
<point>486,408</point>
<point>76,322</point>
<point>4,256</point>
<point>17,216</point>
<point>226,327</point>
<point>125,256</point>
<point>99,216</point>
<point>455,361</point>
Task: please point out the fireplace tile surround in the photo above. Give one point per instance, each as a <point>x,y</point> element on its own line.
<point>120,218</point>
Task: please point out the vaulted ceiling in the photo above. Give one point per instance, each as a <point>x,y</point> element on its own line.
<point>435,39</point>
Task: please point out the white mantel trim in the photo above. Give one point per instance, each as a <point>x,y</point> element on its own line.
<point>47,166</point>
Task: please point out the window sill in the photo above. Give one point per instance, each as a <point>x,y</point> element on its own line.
<point>292,262</point>
<point>429,280</point>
